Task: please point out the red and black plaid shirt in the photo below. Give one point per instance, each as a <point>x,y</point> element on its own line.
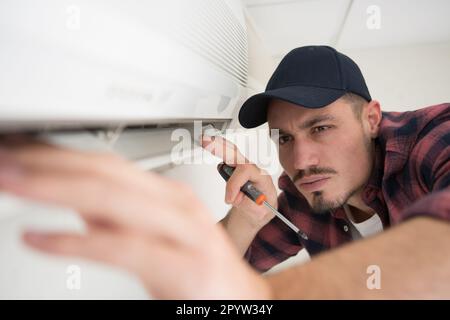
<point>411,177</point>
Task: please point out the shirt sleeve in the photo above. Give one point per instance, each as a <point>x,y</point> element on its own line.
<point>433,169</point>
<point>274,243</point>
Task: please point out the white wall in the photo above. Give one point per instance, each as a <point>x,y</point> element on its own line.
<point>406,78</point>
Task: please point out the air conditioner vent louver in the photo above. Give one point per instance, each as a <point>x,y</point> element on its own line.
<point>212,30</point>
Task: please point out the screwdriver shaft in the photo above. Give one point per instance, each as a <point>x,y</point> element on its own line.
<point>258,197</point>
<point>286,221</point>
<point>279,215</point>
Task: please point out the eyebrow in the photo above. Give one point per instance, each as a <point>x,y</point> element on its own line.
<point>315,120</point>
<point>312,122</point>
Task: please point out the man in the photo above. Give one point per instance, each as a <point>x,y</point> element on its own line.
<point>135,219</point>
<point>350,171</point>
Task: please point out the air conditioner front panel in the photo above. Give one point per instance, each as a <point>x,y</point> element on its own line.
<point>116,67</point>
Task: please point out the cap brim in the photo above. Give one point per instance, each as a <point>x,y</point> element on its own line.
<point>253,112</point>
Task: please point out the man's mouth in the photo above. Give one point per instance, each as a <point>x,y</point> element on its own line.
<point>313,183</point>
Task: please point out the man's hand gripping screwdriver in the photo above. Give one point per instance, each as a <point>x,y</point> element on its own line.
<point>258,197</point>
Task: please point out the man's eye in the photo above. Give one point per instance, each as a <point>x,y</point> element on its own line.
<point>283,139</point>
<point>320,129</point>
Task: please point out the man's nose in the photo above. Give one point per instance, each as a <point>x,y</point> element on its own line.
<point>305,155</point>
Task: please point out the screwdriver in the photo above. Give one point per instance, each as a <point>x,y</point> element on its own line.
<point>258,197</point>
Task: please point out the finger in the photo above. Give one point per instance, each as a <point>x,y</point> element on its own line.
<point>15,139</point>
<point>93,222</point>
<point>40,155</point>
<point>155,261</point>
<point>121,194</point>
<point>238,200</point>
<point>240,176</point>
<point>120,249</point>
<point>98,199</point>
<point>224,149</point>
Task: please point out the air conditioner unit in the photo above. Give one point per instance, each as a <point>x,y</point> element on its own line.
<point>132,70</point>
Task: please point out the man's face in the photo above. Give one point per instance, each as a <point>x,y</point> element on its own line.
<point>326,152</point>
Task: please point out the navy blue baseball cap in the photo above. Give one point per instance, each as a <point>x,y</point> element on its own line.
<point>311,77</point>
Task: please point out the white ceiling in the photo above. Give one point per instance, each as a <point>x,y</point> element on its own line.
<point>286,24</point>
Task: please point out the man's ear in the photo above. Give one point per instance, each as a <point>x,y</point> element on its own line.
<point>373,117</point>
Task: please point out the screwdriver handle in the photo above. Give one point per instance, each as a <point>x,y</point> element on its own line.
<point>248,188</point>
<point>258,197</point>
